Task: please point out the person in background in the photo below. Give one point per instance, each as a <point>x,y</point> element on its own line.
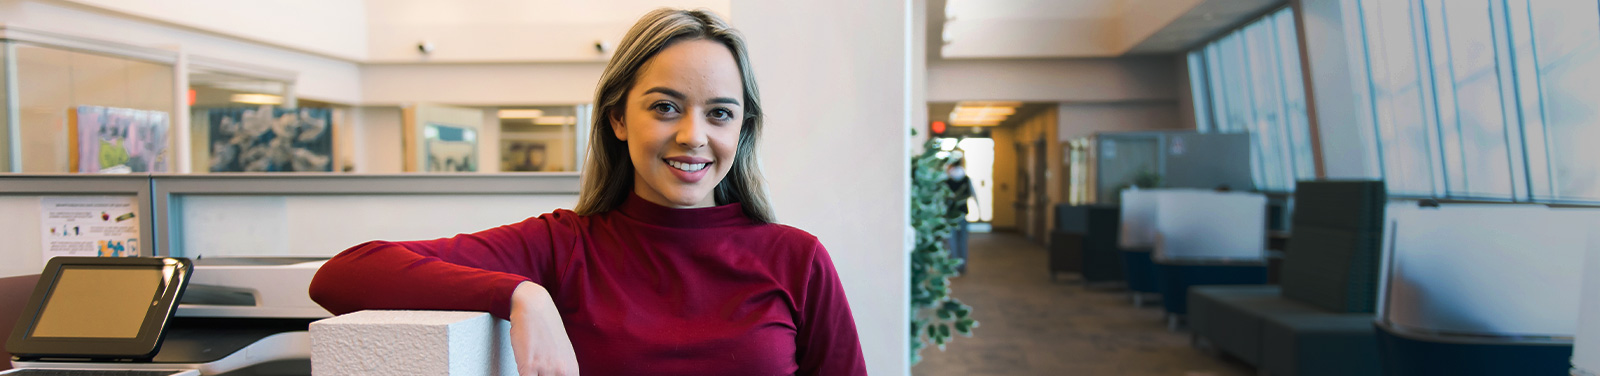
<point>961,191</point>
<point>671,263</point>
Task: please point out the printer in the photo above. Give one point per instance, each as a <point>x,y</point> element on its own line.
<point>237,316</point>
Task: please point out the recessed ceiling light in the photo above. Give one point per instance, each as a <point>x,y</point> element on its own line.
<point>268,99</point>
<point>520,113</point>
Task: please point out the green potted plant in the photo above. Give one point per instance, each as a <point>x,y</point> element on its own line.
<point>935,315</point>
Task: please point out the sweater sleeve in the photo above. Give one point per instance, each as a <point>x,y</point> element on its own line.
<point>826,339</point>
<point>467,272</point>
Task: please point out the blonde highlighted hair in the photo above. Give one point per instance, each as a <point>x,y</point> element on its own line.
<point>608,174</point>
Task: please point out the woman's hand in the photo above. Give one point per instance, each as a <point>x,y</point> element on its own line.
<point>538,340</point>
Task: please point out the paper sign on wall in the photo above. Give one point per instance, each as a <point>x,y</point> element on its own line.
<point>103,226</point>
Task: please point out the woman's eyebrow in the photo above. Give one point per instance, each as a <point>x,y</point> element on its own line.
<point>668,92</point>
<point>679,96</point>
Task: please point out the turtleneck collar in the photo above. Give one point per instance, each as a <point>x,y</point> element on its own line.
<point>645,211</point>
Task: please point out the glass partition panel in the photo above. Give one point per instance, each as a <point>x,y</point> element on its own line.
<point>540,138</point>
<point>324,225</point>
<point>1486,270</point>
<point>53,83</point>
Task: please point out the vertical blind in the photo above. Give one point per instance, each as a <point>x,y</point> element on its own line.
<point>1250,81</point>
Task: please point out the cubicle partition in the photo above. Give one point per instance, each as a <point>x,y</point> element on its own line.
<point>319,215</point>
<point>303,215</point>
<point>22,234</point>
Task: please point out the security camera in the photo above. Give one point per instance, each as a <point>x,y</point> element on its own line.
<point>425,47</point>
<point>601,46</point>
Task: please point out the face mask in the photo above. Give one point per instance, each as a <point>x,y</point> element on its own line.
<point>958,172</point>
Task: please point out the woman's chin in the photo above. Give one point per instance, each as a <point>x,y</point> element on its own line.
<point>689,200</point>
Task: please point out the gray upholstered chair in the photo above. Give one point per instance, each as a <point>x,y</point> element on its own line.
<point>1319,320</point>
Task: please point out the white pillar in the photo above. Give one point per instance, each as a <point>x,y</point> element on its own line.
<point>837,83</point>
<point>393,343</point>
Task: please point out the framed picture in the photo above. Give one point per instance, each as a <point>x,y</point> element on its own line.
<point>118,140</point>
<point>271,139</point>
<point>450,148</point>
<point>441,138</point>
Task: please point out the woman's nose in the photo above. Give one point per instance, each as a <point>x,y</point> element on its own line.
<point>692,131</point>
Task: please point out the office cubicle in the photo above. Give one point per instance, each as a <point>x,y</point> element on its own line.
<point>319,215</point>
<point>23,237</point>
<point>304,215</point>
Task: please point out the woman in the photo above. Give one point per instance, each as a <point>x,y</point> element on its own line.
<point>670,264</point>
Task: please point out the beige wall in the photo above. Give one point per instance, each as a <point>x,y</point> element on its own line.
<point>1053,80</point>
<point>1086,119</point>
<point>1040,127</point>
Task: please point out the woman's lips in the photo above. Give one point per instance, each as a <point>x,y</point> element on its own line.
<point>689,170</point>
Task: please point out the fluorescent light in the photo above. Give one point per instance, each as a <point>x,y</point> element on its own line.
<point>257,99</point>
<point>975,123</point>
<point>989,104</point>
<point>555,120</point>
<point>985,110</point>
<point>520,114</point>
<point>978,117</point>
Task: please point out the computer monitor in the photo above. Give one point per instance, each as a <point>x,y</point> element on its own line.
<point>100,308</point>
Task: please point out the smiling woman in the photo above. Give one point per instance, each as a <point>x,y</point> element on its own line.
<point>670,264</point>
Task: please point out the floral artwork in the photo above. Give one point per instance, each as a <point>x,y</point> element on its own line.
<point>121,140</point>
<point>271,139</point>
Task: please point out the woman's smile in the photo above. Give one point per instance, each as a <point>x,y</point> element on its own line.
<point>688,169</point>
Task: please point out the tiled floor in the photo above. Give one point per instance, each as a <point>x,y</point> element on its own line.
<point>1029,325</point>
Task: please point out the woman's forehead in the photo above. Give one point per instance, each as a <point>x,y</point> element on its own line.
<point>694,67</point>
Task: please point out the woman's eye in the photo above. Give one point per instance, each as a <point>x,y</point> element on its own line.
<point>664,108</point>
<point>721,114</point>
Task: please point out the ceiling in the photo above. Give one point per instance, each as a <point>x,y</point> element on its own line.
<point>1203,22</point>
<point>991,29</point>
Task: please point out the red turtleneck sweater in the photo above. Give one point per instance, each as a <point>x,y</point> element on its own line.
<point>643,289</point>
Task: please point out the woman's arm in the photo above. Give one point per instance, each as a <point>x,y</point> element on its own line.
<point>467,272</point>
<point>827,341</point>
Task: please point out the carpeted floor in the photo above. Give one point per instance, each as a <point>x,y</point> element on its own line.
<point>1029,325</point>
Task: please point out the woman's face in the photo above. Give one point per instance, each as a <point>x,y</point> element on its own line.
<point>681,121</point>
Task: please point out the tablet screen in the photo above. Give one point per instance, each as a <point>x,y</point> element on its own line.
<point>98,302</point>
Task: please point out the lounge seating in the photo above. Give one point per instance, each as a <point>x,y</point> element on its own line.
<point>1207,238</point>
<point>1067,239</point>
<point>1486,289</point>
<point>1319,321</point>
<point>1085,242</point>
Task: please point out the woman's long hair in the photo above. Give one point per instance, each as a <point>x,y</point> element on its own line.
<point>608,174</point>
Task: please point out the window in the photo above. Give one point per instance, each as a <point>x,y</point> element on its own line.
<point>1250,81</point>
<point>1484,99</point>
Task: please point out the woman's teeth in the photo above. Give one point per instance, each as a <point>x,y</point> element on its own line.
<point>689,167</point>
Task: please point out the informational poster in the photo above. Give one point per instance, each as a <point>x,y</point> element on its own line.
<point>104,226</point>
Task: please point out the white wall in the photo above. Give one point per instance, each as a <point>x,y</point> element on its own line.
<point>481,84</point>
<point>336,28</point>
<point>1053,80</point>
<point>380,131</point>
<point>320,77</point>
<point>522,30</point>
<point>836,88</point>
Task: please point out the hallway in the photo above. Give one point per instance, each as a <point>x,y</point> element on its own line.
<point>1031,326</point>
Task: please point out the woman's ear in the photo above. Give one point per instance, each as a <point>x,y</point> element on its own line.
<point>618,128</point>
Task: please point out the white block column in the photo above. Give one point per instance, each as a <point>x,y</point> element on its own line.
<point>411,343</point>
